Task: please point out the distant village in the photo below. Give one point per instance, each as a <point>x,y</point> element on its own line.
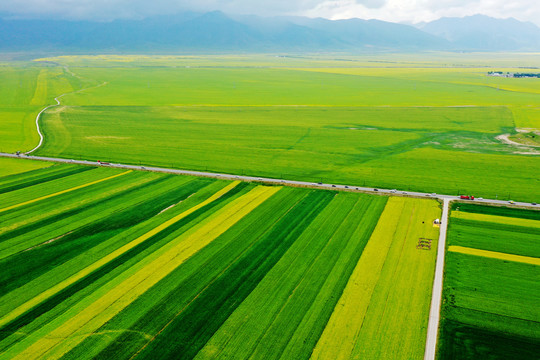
<point>513,75</point>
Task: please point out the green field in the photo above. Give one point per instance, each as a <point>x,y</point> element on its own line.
<point>412,123</point>
<point>109,263</point>
<point>491,289</point>
<point>26,89</point>
<point>13,167</point>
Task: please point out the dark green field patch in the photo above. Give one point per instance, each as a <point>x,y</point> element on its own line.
<point>458,341</point>
<point>497,210</point>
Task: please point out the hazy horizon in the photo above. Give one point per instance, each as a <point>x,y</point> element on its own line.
<point>399,11</point>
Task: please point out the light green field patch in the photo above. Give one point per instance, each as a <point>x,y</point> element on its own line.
<point>527,117</point>
<point>10,166</point>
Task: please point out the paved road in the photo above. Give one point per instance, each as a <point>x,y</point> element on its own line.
<point>435,310</point>
<point>269,180</point>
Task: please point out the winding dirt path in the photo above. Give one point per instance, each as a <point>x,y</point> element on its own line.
<point>57,99</point>
<point>505,138</point>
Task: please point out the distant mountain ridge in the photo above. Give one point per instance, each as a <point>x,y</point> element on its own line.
<point>216,31</point>
<point>480,32</point>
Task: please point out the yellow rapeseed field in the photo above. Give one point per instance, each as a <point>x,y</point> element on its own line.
<point>495,255</point>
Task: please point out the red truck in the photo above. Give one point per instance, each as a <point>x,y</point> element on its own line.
<point>466,197</point>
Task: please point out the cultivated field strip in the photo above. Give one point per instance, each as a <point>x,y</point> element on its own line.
<point>19,181</point>
<point>144,265</point>
<point>58,187</point>
<point>63,191</point>
<point>506,220</point>
<point>491,287</point>
<point>388,290</point>
<point>519,228</point>
<point>495,255</point>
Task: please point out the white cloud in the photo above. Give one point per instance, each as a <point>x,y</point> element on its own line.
<point>428,10</point>
<point>390,10</point>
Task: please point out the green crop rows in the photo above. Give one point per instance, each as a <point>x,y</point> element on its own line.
<point>108,263</point>
<point>490,307</point>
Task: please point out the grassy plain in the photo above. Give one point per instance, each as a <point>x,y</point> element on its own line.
<point>491,284</point>
<point>394,121</point>
<point>103,263</point>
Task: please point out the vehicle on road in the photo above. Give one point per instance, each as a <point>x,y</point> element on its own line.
<point>467,197</point>
<point>375,189</point>
<point>511,202</point>
<point>533,203</point>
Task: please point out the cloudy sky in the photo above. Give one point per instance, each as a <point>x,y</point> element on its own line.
<point>389,10</point>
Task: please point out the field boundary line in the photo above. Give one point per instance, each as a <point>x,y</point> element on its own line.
<point>21,309</point>
<point>63,192</point>
<point>436,297</point>
<point>494,255</point>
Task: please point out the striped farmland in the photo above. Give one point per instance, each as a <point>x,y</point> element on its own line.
<point>101,263</point>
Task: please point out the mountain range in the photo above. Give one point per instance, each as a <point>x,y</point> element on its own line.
<point>218,32</point>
